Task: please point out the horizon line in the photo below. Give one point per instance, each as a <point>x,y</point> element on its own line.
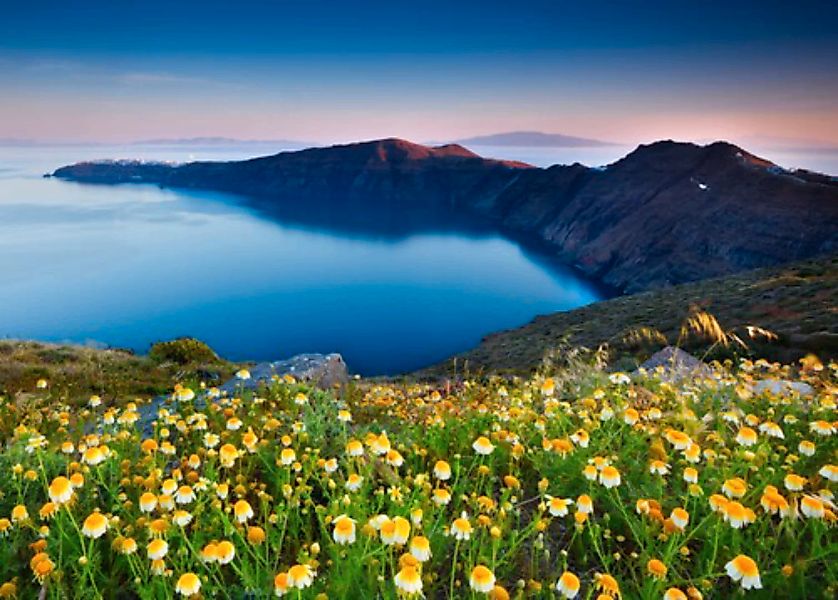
<point>769,143</point>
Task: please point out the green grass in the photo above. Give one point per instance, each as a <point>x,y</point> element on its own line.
<point>75,372</point>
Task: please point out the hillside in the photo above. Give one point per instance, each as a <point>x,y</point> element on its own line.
<point>75,372</point>
<point>667,213</point>
<point>796,302</point>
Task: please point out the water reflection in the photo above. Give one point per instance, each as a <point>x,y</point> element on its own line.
<point>392,291</point>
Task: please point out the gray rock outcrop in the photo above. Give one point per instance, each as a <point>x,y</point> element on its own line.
<point>782,387</point>
<point>673,364</point>
<point>322,370</point>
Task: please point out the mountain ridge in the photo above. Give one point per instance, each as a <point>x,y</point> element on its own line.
<point>667,213</point>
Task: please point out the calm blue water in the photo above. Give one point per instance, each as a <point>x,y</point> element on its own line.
<point>129,265</point>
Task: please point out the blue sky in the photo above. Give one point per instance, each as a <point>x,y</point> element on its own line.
<point>337,71</point>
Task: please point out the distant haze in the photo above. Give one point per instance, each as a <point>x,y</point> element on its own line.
<point>532,139</point>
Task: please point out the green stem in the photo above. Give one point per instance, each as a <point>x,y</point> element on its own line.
<point>453,569</point>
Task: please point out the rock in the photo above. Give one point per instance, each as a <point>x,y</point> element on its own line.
<point>323,370</point>
<point>148,414</point>
<point>782,387</point>
<point>675,365</point>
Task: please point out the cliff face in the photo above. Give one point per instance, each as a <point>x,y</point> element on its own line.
<point>667,213</point>
<point>670,213</point>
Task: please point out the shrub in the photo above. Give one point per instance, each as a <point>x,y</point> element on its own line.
<point>183,351</point>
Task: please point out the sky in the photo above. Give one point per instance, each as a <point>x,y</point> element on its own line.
<point>317,71</point>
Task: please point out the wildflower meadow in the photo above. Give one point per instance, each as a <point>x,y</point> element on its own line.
<point>573,483</point>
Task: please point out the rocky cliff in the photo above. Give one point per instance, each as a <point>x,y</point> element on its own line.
<point>667,213</point>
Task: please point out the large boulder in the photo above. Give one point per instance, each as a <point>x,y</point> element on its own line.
<point>673,364</point>
<point>322,370</point>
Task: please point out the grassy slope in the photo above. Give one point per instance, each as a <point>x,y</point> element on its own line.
<point>76,372</point>
<point>797,302</point>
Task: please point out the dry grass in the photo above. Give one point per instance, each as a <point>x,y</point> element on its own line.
<point>795,302</point>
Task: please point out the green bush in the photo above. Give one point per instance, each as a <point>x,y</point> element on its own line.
<point>183,351</point>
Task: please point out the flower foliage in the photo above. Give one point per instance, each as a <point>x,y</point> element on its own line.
<point>555,486</point>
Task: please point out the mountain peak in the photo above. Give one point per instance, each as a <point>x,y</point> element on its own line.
<point>413,151</point>
<point>397,150</point>
<point>728,149</point>
<point>675,150</point>
<point>389,148</point>
<point>455,150</point>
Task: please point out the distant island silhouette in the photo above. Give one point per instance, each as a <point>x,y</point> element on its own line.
<point>532,139</point>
